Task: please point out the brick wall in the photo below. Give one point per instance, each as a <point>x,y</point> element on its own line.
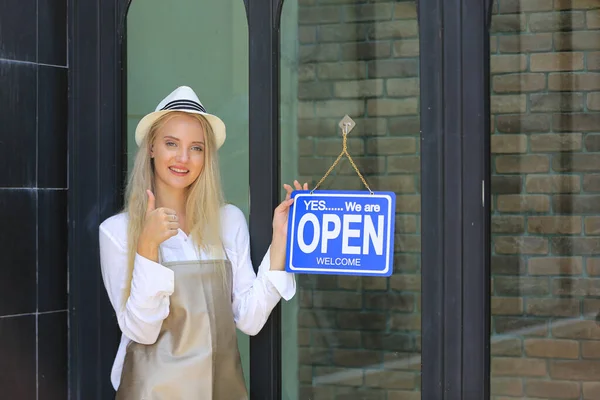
<point>360,337</point>
<point>545,66</point>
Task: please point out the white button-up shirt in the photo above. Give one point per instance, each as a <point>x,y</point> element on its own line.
<point>140,316</point>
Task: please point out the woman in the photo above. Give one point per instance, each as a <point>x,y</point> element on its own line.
<point>176,264</point>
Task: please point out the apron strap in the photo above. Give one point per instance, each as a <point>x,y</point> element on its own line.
<point>225,253</point>
<point>161,257</point>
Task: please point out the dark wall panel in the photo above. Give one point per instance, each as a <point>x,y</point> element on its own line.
<point>33,199</point>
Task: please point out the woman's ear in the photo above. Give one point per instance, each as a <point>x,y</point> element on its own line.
<point>151,151</point>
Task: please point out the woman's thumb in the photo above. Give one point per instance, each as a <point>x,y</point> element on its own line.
<point>151,201</point>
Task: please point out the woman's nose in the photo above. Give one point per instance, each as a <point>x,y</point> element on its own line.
<point>182,155</point>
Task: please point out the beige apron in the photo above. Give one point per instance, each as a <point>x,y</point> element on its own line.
<point>196,355</point>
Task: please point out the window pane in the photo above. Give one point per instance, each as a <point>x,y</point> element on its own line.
<point>546,200</point>
<point>354,337</point>
<point>202,44</point>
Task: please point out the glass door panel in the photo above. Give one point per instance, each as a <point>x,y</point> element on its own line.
<point>354,337</point>
<point>545,103</point>
<point>202,44</point>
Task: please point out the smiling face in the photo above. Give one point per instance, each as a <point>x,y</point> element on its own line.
<point>178,152</point>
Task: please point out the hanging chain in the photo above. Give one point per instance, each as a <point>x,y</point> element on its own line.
<point>346,124</point>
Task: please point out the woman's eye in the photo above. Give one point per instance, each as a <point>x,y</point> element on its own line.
<point>170,144</point>
<point>197,148</point>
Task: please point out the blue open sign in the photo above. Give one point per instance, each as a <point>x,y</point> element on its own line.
<point>341,233</point>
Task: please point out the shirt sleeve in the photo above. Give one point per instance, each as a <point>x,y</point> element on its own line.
<point>139,316</point>
<point>254,296</point>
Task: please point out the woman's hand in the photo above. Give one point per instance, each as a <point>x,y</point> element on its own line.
<point>280,227</point>
<point>160,225</point>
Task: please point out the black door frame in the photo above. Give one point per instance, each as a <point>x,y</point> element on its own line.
<point>455,195</point>
<point>455,109</point>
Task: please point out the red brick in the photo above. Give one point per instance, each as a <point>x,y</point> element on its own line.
<point>523,123</point>
<point>556,142</point>
<point>342,70</point>
<point>591,390</point>
<point>356,358</point>
<point>392,107</point>
<point>507,305</point>
<point>574,287</point>
<point>522,6</point>
<point>593,266</point>
<point>319,52</point>
<point>508,224</point>
<point>357,89</point>
<point>531,327</point>
<point>406,48</point>
<point>506,386</point>
<point>522,164</point>
<point>406,10</point>
<point>583,370</point>
<point>519,83</point>
<point>593,19</point>
<point>523,203</point>
<point>525,43</point>
<point>508,63</point>
<point>567,61</point>
<point>552,389</point>
<point>342,33</point>
<point>403,395</point>
<point>520,245</point>
<point>555,266</point>
<point>406,282</point>
<point>368,12</point>
<point>575,4</point>
<point>590,349</point>
<point>558,102</point>
<point>318,15</point>
<point>508,23</point>
<point>521,286</point>
<point>398,29</point>
<point>583,329</point>
<point>556,22</point>
<point>592,225</point>
<point>337,300</point>
<point>506,346</point>
<point>552,348</point>
<point>509,144</point>
<point>405,322</point>
<point>562,224</point>
<point>510,103</point>
<point>553,184</point>
<point>344,376</point>
<point>579,40</point>
<point>572,82</point>
<point>591,182</point>
<point>391,379</point>
<point>517,367</point>
<point>553,307</point>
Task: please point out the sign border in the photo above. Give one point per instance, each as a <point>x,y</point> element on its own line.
<point>389,196</point>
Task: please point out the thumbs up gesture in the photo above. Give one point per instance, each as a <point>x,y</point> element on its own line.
<point>160,224</point>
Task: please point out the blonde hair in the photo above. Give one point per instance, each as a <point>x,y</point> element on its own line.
<point>203,201</point>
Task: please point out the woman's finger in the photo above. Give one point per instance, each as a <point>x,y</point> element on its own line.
<point>305,186</point>
<point>284,205</point>
<point>288,189</point>
<point>297,185</point>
